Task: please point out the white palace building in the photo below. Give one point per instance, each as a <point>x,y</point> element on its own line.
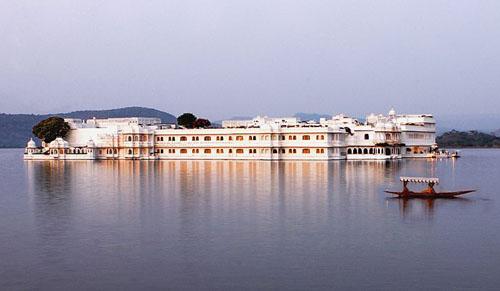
<point>379,137</point>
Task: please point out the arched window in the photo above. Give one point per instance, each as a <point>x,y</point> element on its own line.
<point>388,136</point>
<point>183,138</point>
<point>207,151</point>
<point>239,151</point>
<point>129,138</point>
<point>367,136</point>
<point>306,137</point>
<point>306,151</point>
<point>365,151</point>
<point>207,138</point>
<point>371,151</point>
<point>349,151</point>
<point>129,151</point>
<point>184,151</point>
<point>355,152</point>
<point>275,151</point>
<point>136,138</point>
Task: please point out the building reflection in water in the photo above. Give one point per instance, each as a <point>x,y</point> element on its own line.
<point>197,196</point>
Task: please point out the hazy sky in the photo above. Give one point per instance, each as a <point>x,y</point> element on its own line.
<point>226,58</point>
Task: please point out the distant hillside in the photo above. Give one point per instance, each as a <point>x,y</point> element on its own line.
<point>311,116</point>
<point>473,138</point>
<point>497,132</point>
<point>16,128</point>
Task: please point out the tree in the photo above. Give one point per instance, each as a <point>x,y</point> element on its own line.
<point>187,120</point>
<point>202,123</point>
<point>51,128</point>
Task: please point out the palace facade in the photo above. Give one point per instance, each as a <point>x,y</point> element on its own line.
<point>262,138</point>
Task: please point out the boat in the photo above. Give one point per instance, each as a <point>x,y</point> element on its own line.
<point>428,193</point>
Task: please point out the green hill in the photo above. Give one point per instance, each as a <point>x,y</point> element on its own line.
<point>473,138</point>
<point>16,128</point>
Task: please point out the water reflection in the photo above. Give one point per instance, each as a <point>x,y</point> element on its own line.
<point>424,208</point>
<point>200,191</point>
<point>254,225</point>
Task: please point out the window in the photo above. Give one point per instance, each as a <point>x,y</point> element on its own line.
<point>207,151</point>
<point>320,151</point>
<point>365,151</point>
<point>349,151</point>
<point>184,151</point>
<point>195,138</point>
<point>129,152</point>
<point>230,138</point>
<point>207,138</point>
<point>161,151</point>
<point>282,151</point>
<point>306,151</point>
<point>220,151</point>
<point>355,151</point>
<point>230,151</point>
<point>129,138</point>
<point>239,137</point>
<point>183,138</point>
<point>306,137</point>
<point>275,151</point>
<point>367,136</point>
<point>239,151</point>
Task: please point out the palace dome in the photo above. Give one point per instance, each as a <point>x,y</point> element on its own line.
<point>31,144</point>
<point>59,143</point>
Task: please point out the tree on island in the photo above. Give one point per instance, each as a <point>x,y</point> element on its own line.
<point>187,120</point>
<point>51,128</point>
<point>202,123</point>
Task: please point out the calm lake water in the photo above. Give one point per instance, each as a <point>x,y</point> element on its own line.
<point>246,225</point>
